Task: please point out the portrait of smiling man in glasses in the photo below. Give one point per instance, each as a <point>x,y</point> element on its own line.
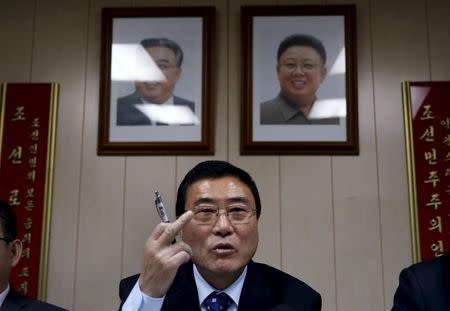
<point>301,69</point>
<point>210,266</point>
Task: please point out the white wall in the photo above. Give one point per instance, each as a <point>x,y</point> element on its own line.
<point>340,223</point>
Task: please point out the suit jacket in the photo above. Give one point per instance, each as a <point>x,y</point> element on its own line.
<point>265,288</point>
<point>16,302</point>
<point>424,286</point>
<point>280,111</point>
<point>128,114</point>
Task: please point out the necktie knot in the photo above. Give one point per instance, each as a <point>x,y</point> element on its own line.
<point>218,302</point>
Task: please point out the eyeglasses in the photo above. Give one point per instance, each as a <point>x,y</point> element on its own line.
<point>237,215</point>
<point>6,240</point>
<point>305,67</point>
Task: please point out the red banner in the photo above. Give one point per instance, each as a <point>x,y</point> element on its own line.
<point>27,140</point>
<point>427,126</point>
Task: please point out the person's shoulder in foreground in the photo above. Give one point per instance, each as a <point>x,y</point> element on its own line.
<point>15,301</point>
<point>424,286</point>
<point>10,254</point>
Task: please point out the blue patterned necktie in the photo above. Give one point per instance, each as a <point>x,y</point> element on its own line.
<point>218,302</point>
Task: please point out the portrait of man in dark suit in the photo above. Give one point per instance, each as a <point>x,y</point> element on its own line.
<point>301,69</point>
<point>10,253</point>
<point>154,102</point>
<point>210,266</point>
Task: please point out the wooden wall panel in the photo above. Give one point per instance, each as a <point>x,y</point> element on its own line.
<point>307,224</point>
<point>438,23</point>
<point>399,53</point>
<point>17,38</point>
<point>100,227</point>
<point>54,61</point>
<point>144,175</point>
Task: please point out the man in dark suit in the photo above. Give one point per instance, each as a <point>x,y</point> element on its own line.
<point>424,286</point>
<point>139,107</point>
<point>10,252</point>
<point>210,267</point>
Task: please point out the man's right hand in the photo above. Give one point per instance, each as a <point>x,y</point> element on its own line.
<point>161,258</point>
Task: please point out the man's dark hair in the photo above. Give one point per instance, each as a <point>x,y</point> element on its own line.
<point>214,170</point>
<point>157,42</point>
<point>8,221</point>
<point>302,40</point>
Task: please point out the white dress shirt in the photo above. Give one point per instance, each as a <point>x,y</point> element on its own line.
<point>3,295</point>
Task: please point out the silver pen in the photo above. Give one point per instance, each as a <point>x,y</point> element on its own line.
<point>160,208</point>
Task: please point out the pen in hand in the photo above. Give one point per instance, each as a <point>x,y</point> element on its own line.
<point>160,208</point>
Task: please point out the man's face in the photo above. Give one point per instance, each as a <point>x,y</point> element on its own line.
<point>221,250</point>
<point>159,92</point>
<point>300,72</point>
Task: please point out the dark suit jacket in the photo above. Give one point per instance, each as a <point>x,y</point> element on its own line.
<point>264,288</point>
<point>280,110</point>
<point>128,114</point>
<point>424,286</point>
<point>15,302</point>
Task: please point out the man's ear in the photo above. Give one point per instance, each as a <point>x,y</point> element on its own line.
<point>323,73</point>
<point>278,67</point>
<point>16,251</point>
<point>178,73</point>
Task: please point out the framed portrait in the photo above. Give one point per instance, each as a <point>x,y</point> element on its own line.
<point>155,89</point>
<point>299,92</point>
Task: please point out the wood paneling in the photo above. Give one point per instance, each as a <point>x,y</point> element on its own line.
<point>307,224</point>
<point>54,58</point>
<point>438,23</point>
<point>399,50</point>
<point>17,38</point>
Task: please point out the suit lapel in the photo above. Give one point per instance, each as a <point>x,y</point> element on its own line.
<point>14,302</point>
<point>256,294</point>
<point>183,294</point>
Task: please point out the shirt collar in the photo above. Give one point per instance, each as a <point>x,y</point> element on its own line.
<point>169,101</point>
<point>4,294</point>
<point>204,288</point>
<point>290,110</point>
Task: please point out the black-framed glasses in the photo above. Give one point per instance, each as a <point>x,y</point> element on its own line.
<point>6,240</point>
